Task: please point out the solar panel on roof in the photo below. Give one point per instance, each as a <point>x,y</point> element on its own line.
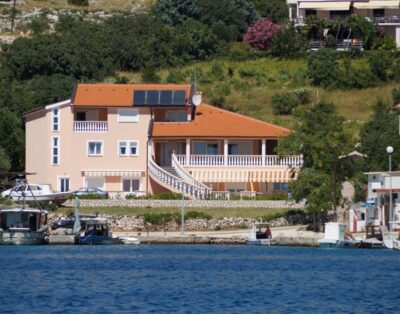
<point>153,97</point>
<point>179,97</point>
<point>165,97</point>
<point>139,97</point>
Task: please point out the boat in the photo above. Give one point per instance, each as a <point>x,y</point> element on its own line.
<point>260,234</point>
<point>35,193</point>
<point>20,226</point>
<point>94,230</point>
<point>129,240</point>
<point>390,239</point>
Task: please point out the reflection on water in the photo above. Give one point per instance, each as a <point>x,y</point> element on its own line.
<point>231,279</point>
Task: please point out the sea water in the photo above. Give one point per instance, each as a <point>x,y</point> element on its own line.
<point>197,279</point>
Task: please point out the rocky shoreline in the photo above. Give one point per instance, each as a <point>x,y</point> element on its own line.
<point>134,223</point>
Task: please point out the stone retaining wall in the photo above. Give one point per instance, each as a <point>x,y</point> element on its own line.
<point>187,204</point>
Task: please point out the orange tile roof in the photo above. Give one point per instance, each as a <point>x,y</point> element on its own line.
<point>211,121</point>
<point>116,95</point>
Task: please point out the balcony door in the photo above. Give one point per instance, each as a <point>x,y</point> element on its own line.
<point>167,149</point>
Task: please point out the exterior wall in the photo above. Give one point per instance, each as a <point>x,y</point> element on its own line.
<point>73,149</point>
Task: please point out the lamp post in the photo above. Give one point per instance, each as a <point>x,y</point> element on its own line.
<point>182,211</point>
<point>389,150</point>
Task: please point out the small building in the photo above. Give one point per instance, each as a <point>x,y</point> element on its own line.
<point>376,210</point>
<point>385,13</point>
<point>145,139</point>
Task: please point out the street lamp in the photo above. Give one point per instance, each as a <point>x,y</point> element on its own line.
<point>389,150</point>
<point>182,211</point>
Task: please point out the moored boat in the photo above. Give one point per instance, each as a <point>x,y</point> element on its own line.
<point>260,234</point>
<point>20,226</point>
<point>94,230</point>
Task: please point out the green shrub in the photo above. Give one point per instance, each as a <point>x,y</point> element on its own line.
<point>283,103</point>
<point>162,218</point>
<point>42,205</point>
<point>239,52</point>
<point>121,80</point>
<point>197,215</point>
<point>379,62</point>
<point>175,76</point>
<point>396,96</point>
<point>149,75</point>
<point>133,196</point>
<point>303,95</point>
<point>279,196</point>
<point>323,68</point>
<point>84,3</point>
<point>90,197</point>
<point>167,196</point>
<point>287,44</point>
<point>216,72</point>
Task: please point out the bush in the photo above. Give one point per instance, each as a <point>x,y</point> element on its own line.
<point>132,196</point>
<point>162,218</point>
<point>280,196</point>
<point>323,68</point>
<point>396,96</point>
<point>330,41</point>
<point>197,215</point>
<point>175,76</point>
<point>79,2</point>
<point>259,35</point>
<point>287,43</point>
<point>167,196</point>
<point>303,95</point>
<point>275,10</point>
<point>379,63</point>
<point>283,103</point>
<point>91,197</point>
<point>149,75</point>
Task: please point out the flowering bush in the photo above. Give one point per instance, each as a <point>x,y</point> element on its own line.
<point>259,35</point>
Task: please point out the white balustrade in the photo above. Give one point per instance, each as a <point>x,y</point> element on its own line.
<point>90,126</point>
<point>241,160</point>
<point>187,188</point>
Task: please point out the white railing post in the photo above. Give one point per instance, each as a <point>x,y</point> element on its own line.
<point>226,152</point>
<point>187,152</point>
<point>263,151</point>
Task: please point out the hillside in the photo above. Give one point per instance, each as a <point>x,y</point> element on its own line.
<point>247,86</point>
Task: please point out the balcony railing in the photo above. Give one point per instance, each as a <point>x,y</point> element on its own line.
<point>240,160</point>
<point>393,19</point>
<point>90,126</point>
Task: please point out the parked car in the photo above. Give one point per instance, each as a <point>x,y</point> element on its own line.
<point>91,192</point>
<point>28,189</point>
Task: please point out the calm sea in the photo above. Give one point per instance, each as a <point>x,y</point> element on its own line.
<point>197,279</point>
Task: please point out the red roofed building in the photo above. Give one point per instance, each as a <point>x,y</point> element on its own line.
<point>151,138</point>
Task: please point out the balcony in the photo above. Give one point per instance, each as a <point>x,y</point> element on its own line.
<point>90,126</point>
<point>240,160</point>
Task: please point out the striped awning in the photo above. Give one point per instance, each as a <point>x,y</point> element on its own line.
<point>325,5</point>
<point>382,4</point>
<point>113,173</point>
<point>242,176</point>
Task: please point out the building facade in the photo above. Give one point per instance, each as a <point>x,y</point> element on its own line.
<point>152,138</point>
<point>385,13</point>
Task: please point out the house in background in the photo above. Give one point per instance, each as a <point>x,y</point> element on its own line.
<point>153,138</point>
<point>385,13</point>
<point>376,210</point>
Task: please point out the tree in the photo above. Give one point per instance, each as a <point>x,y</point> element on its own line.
<point>287,43</point>
<point>259,35</point>
<point>275,10</point>
<point>12,138</point>
<point>5,164</point>
<point>380,131</point>
<point>176,11</point>
<point>320,135</point>
<point>323,68</point>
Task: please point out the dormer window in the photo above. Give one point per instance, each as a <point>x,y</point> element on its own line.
<point>176,116</point>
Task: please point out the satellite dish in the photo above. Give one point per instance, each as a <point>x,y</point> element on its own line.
<point>196,99</point>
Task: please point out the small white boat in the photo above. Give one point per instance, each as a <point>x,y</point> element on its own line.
<point>390,239</point>
<point>129,240</point>
<point>334,236</point>
<point>260,234</point>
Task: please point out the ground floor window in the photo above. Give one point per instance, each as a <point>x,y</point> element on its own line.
<point>280,186</point>
<point>130,185</point>
<point>63,184</point>
<point>95,182</point>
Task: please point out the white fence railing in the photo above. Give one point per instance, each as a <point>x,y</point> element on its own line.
<point>174,182</point>
<point>240,160</point>
<point>90,126</point>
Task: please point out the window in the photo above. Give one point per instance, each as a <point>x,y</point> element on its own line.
<point>204,148</point>
<point>176,116</point>
<point>130,185</point>
<point>95,148</point>
<point>128,148</point>
<point>55,150</point>
<point>63,184</point>
<point>378,12</point>
<point>128,115</point>
<point>56,120</point>
<point>280,186</point>
<point>95,182</point>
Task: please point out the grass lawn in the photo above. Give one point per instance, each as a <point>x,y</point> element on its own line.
<point>214,212</point>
